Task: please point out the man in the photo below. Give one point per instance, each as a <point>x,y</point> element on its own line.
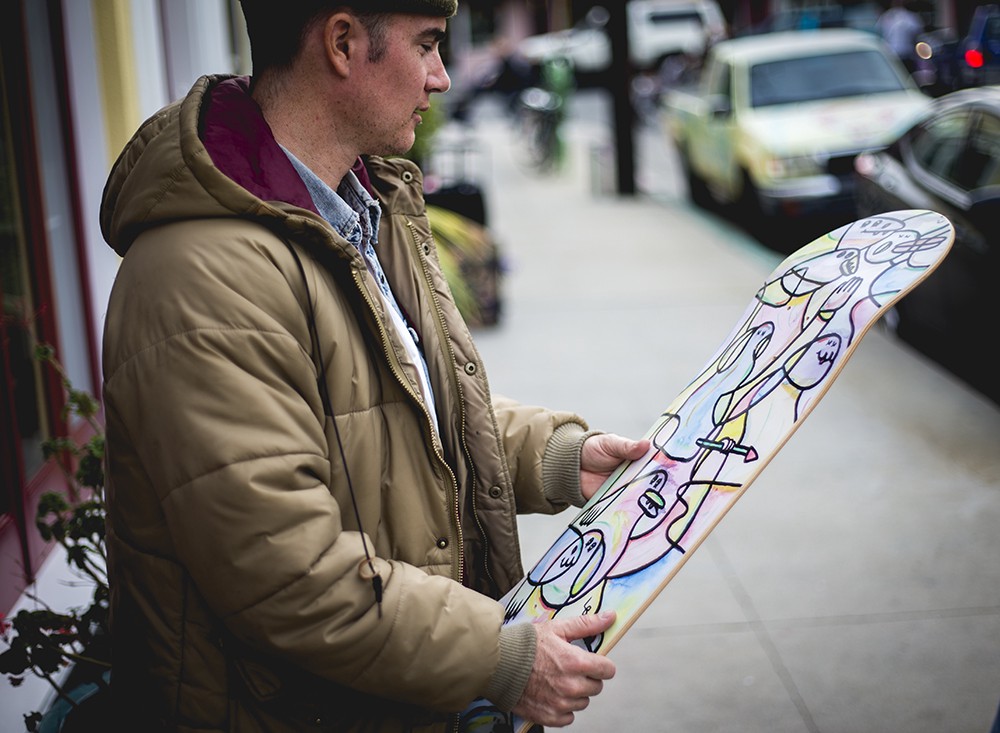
<point>899,27</point>
<point>311,490</point>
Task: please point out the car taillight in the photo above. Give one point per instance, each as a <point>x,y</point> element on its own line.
<point>974,58</point>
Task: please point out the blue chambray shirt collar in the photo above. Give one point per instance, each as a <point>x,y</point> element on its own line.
<point>350,209</point>
<point>353,212</point>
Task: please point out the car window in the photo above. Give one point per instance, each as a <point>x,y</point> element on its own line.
<point>937,144</point>
<point>980,162</point>
<point>961,148</point>
<point>675,17</point>
<point>992,32</point>
<point>826,76</point>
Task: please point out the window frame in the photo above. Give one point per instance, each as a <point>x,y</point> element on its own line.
<point>946,189</point>
<point>22,550</point>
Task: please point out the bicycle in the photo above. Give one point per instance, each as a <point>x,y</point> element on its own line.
<point>539,113</point>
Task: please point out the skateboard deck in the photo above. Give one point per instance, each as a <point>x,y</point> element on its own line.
<point>719,433</point>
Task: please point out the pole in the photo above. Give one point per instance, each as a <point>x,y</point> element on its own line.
<point>620,82</point>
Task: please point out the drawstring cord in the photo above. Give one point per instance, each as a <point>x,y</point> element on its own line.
<point>328,409</point>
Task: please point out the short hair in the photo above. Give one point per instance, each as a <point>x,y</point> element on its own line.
<point>277,30</point>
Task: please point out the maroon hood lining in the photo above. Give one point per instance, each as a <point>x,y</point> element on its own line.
<point>241,145</point>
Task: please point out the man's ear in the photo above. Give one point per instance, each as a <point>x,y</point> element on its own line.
<point>340,41</point>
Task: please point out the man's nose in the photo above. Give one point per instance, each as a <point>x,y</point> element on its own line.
<point>439,82</point>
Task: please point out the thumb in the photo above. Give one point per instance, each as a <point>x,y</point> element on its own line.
<point>580,627</point>
<point>637,449</point>
<point>617,447</point>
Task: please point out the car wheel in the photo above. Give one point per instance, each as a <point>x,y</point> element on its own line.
<point>748,211</point>
<point>697,189</point>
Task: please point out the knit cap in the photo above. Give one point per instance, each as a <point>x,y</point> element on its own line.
<point>440,8</point>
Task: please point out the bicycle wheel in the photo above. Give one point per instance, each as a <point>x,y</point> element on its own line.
<point>537,126</point>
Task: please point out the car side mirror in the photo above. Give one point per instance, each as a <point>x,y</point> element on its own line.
<point>720,106</point>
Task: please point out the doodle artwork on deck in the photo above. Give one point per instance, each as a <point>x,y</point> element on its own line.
<point>632,536</point>
<point>742,407</point>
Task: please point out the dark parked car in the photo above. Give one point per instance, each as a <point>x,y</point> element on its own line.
<point>947,61</point>
<point>980,49</point>
<point>949,162</point>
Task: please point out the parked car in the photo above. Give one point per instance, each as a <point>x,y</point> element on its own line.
<point>949,162</point>
<point>980,49</point>
<point>776,120</point>
<point>947,61</point>
<point>658,30</point>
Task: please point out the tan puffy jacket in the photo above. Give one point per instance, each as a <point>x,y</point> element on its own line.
<point>241,598</point>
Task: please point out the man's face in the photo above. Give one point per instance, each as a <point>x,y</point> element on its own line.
<point>397,87</point>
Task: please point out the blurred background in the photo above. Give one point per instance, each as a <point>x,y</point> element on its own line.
<point>715,136</point>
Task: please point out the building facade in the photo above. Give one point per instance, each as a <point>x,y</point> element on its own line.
<point>77,77</point>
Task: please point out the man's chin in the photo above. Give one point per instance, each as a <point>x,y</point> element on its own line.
<point>400,148</point>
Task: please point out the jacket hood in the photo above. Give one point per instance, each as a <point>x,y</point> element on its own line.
<point>209,155</point>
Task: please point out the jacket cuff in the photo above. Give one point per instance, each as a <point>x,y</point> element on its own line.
<point>561,464</point>
<point>517,656</point>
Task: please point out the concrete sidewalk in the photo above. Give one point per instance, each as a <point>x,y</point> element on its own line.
<point>856,587</point>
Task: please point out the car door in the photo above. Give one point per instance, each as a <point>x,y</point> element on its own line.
<point>956,158</point>
<point>715,147</point>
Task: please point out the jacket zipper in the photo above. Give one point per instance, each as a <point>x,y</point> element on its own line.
<point>461,401</point>
<point>455,718</point>
<point>405,384</point>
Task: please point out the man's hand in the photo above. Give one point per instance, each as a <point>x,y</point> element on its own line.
<point>564,676</point>
<point>602,454</point>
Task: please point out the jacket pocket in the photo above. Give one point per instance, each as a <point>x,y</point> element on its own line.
<point>266,700</point>
<point>274,698</point>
